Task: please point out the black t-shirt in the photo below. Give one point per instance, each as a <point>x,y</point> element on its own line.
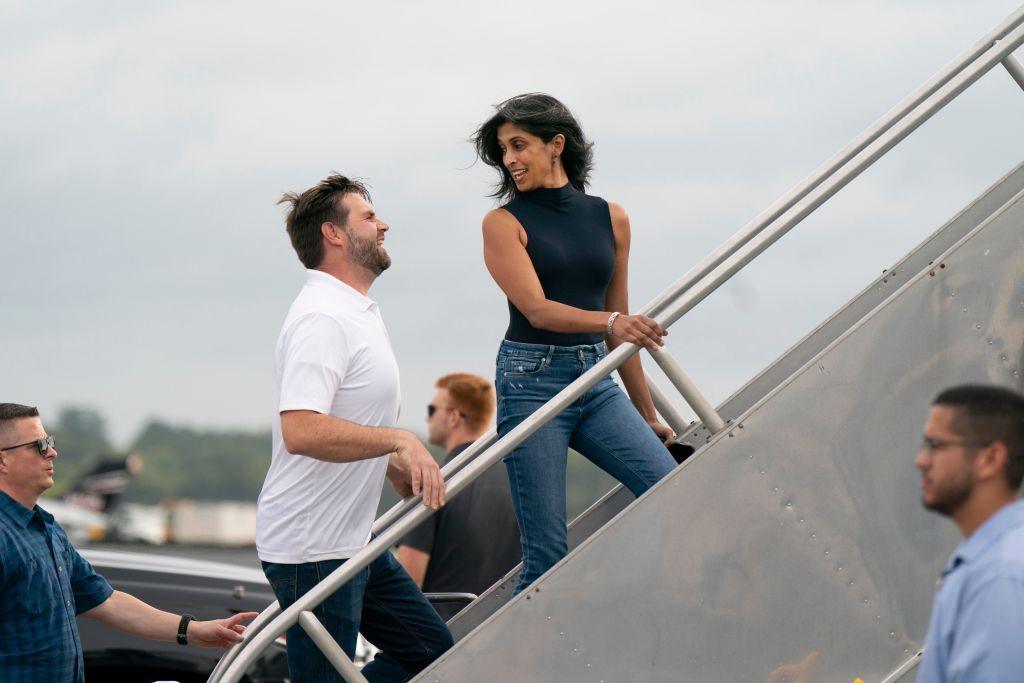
<point>474,539</point>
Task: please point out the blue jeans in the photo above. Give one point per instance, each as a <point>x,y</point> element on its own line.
<point>602,425</point>
<point>381,601</point>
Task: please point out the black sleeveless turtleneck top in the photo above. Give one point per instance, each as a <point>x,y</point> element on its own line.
<point>572,247</point>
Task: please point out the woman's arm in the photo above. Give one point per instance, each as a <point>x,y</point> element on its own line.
<point>510,266</point>
<point>617,299</point>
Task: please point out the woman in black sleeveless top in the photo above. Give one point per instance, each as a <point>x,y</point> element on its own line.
<point>561,258</point>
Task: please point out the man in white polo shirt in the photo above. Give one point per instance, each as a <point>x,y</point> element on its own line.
<point>334,441</point>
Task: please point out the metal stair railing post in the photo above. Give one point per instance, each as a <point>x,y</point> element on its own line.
<point>681,297</point>
<point>685,386</point>
<point>663,405</point>
<point>329,646</point>
<point>1015,68</point>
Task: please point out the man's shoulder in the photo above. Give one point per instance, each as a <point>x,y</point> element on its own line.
<point>1007,556</point>
<point>1003,562</point>
<point>317,301</point>
<point>311,319</point>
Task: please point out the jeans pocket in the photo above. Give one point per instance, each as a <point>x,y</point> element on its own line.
<point>525,365</point>
<point>282,578</point>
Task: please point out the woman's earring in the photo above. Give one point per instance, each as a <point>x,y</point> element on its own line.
<point>554,160</point>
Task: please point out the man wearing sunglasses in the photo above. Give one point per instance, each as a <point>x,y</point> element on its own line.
<point>972,464</point>
<point>473,541</point>
<point>45,583</point>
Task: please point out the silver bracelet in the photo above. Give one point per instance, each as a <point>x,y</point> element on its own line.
<point>611,321</point>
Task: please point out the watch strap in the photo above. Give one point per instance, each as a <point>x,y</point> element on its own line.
<point>183,628</point>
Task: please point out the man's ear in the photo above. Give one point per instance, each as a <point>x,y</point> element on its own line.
<point>990,461</point>
<point>332,235</point>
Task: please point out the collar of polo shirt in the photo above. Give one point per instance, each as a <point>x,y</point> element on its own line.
<point>318,277</point>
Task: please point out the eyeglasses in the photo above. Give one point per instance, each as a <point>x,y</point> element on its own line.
<point>42,445</point>
<point>932,445</point>
<point>431,409</point>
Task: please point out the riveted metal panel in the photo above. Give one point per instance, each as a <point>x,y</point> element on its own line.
<point>795,538</point>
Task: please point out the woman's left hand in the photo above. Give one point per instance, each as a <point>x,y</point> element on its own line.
<point>664,433</point>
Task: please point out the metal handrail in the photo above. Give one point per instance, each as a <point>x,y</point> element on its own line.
<point>668,307</point>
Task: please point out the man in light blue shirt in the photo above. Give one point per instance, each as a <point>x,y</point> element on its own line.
<point>972,464</point>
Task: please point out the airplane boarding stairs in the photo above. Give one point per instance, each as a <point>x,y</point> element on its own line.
<point>792,545</point>
<point>757,388</point>
<point>794,537</point>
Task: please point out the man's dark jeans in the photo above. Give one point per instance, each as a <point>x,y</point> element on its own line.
<point>381,601</point>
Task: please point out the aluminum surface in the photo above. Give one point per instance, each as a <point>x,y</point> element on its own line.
<point>582,528</point>
<point>742,559</point>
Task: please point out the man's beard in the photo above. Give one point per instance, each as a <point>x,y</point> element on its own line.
<point>368,254</point>
<point>948,499</point>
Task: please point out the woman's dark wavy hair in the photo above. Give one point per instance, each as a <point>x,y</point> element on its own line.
<point>544,116</point>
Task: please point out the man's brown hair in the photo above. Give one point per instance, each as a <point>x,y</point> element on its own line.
<point>472,395</point>
<point>312,208</point>
<point>9,412</point>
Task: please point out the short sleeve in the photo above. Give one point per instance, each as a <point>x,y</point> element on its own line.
<point>987,644</point>
<point>89,587</point>
<point>315,359</point>
<point>422,536</point>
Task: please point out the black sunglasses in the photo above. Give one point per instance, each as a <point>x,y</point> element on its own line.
<point>42,445</point>
<point>431,409</point>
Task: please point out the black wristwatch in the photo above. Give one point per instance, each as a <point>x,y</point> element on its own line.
<point>183,628</point>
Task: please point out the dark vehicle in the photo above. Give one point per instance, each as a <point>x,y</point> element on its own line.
<point>207,590</point>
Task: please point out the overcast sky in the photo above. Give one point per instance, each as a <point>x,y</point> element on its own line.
<point>146,271</point>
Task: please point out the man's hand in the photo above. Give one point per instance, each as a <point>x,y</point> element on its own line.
<point>412,468</point>
<point>399,478</point>
<point>664,433</point>
<point>218,632</point>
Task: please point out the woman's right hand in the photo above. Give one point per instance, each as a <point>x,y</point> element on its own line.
<point>639,330</point>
